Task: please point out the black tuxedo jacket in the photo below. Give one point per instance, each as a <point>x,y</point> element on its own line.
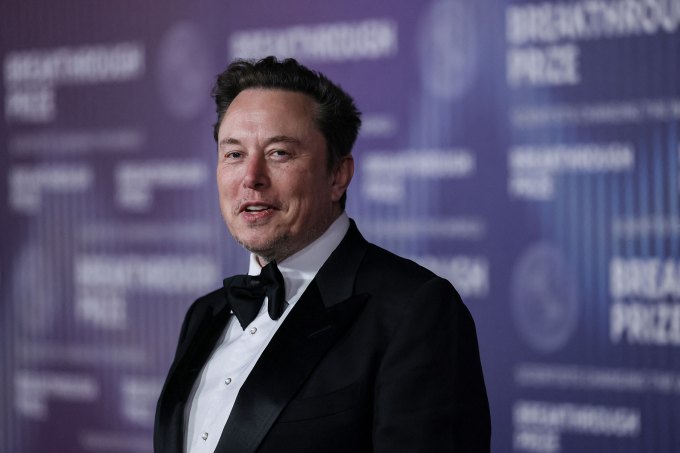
<point>378,355</point>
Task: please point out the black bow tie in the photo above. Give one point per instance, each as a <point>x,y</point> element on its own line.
<point>245,294</point>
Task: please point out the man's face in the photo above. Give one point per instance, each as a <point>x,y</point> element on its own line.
<point>276,194</point>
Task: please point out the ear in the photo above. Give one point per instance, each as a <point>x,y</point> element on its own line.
<point>341,177</point>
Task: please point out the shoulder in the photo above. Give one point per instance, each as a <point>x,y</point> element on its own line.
<point>404,285</point>
<point>404,293</point>
<point>386,268</point>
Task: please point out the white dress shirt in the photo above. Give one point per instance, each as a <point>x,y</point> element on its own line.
<point>237,350</point>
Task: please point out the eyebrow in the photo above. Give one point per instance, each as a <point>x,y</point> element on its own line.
<point>274,139</point>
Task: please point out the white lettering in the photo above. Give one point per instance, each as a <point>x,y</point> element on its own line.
<point>136,181</point>
<point>27,184</point>
<point>550,22</point>
<point>650,278</point>
<point>340,41</point>
<point>385,172</point>
<point>549,66</point>
<point>645,323</point>
<point>584,419</point>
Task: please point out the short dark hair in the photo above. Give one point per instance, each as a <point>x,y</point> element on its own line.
<point>337,116</point>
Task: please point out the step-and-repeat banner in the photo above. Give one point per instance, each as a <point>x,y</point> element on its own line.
<point>526,150</point>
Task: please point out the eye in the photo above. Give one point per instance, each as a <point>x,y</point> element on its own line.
<point>279,154</point>
<point>233,154</point>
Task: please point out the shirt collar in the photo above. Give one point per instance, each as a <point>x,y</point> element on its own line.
<point>299,269</point>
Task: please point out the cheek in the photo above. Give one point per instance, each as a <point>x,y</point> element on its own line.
<point>302,195</point>
<point>226,181</point>
<point>226,194</point>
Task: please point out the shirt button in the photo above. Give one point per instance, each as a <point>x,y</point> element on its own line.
<point>253,330</point>
<point>205,436</point>
<point>227,381</point>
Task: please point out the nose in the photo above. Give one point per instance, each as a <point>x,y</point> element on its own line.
<point>256,176</point>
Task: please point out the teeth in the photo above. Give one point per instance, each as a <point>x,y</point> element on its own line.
<point>255,208</point>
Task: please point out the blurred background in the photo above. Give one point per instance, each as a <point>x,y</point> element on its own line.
<point>525,150</point>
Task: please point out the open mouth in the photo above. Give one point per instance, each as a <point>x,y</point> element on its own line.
<point>256,208</point>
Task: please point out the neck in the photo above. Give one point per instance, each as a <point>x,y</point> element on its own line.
<point>263,260</point>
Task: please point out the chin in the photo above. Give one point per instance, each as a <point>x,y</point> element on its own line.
<point>273,248</point>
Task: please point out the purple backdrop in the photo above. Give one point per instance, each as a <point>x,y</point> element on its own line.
<point>528,151</point>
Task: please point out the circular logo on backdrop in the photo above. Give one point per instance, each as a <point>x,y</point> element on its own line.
<point>448,48</point>
<point>185,73</point>
<point>544,298</point>
<point>36,289</point>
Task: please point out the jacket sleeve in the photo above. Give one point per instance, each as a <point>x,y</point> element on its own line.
<point>430,394</point>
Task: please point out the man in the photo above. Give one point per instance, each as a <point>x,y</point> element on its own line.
<point>339,346</point>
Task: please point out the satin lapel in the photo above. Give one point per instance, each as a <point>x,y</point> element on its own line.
<point>303,339</point>
<point>202,332</point>
<point>311,329</point>
<point>337,276</point>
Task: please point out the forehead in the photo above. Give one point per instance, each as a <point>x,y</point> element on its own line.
<point>259,108</point>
